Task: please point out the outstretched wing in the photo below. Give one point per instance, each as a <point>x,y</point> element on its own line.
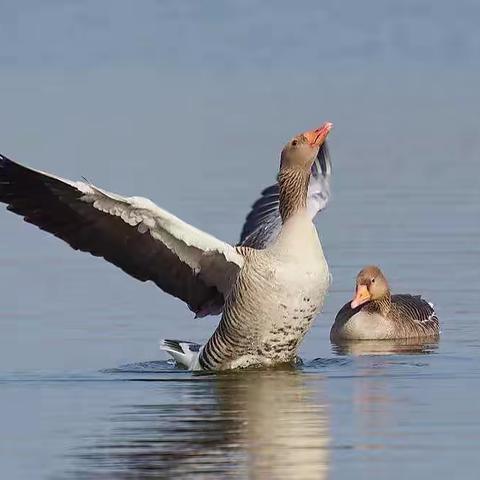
<point>263,222</point>
<point>133,233</point>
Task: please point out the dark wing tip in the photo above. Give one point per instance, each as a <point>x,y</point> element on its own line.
<point>5,162</point>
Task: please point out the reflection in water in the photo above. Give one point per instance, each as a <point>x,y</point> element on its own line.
<point>373,411</point>
<point>406,346</point>
<point>239,425</point>
<point>375,405</point>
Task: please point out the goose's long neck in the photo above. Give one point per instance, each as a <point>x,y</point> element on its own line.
<point>293,183</point>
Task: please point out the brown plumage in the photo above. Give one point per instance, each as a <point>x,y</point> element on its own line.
<point>376,314</point>
<point>293,184</point>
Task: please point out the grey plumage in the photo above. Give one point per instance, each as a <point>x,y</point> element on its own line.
<point>396,316</point>
<point>266,292</point>
<point>376,314</point>
<point>416,310</point>
<point>56,206</point>
<point>412,309</point>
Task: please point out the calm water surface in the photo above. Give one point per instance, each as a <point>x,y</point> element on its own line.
<point>190,105</point>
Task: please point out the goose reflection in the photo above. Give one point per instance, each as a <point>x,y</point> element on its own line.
<point>285,432</point>
<point>406,346</point>
<point>261,425</point>
<point>375,403</point>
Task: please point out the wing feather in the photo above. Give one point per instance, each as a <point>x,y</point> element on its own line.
<point>133,233</point>
<point>416,309</point>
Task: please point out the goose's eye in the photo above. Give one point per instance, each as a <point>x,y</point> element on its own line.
<point>294,142</point>
<point>373,280</point>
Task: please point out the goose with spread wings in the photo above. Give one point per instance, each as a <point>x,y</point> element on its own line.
<point>255,285</point>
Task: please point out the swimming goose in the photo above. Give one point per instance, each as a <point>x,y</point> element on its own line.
<point>375,314</point>
<point>268,297</point>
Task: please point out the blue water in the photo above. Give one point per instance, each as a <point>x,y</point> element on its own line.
<point>189,103</point>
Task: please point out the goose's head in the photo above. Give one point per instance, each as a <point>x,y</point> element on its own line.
<point>300,152</point>
<point>371,285</point>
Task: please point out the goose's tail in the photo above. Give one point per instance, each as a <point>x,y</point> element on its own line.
<point>184,353</point>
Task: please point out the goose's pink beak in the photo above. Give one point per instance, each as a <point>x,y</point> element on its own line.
<point>316,137</point>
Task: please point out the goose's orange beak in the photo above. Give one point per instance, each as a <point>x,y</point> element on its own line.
<point>316,137</point>
<point>362,295</point>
